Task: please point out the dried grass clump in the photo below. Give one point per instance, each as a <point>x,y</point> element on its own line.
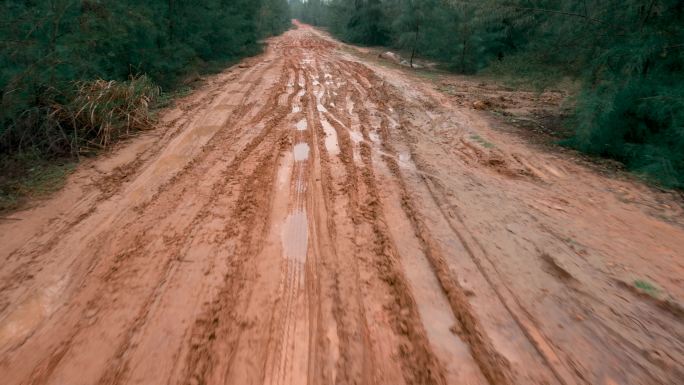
<point>103,112</point>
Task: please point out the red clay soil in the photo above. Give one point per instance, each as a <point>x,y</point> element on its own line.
<point>308,217</point>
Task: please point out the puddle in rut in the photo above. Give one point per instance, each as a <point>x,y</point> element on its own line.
<point>31,313</point>
<point>295,236</point>
<point>319,101</point>
<point>374,137</point>
<point>301,152</point>
<point>331,143</point>
<point>301,125</point>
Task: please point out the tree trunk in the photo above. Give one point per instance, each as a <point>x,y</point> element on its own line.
<point>415,44</point>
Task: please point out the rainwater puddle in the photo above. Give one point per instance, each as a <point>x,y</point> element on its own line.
<point>356,136</point>
<point>374,137</point>
<point>319,103</point>
<point>295,236</point>
<point>331,143</point>
<point>301,125</point>
<point>31,313</point>
<point>301,152</point>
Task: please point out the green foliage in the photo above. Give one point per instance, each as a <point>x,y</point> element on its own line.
<point>53,54</point>
<point>314,12</point>
<point>101,112</point>
<point>646,287</point>
<point>628,54</point>
<point>29,174</point>
<point>77,75</point>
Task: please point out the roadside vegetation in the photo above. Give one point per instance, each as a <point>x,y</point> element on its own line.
<point>627,55</point>
<point>78,75</point>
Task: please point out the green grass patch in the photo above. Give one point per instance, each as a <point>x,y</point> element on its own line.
<point>647,287</point>
<point>166,99</point>
<point>28,175</point>
<point>482,141</point>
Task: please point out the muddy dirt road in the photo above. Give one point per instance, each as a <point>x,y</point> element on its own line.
<point>310,218</point>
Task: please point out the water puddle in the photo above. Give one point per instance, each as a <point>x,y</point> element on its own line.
<point>295,236</point>
<point>24,319</point>
<point>331,143</point>
<point>374,137</point>
<point>356,136</point>
<point>301,125</point>
<point>319,102</point>
<point>301,152</point>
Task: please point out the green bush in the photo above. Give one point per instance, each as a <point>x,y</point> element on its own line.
<point>69,68</point>
<point>102,111</point>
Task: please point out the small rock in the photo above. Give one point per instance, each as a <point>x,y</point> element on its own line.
<point>480,105</point>
<point>455,328</point>
<point>90,313</point>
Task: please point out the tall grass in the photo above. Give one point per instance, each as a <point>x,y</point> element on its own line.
<point>40,148</point>
<point>91,116</point>
<point>103,112</point>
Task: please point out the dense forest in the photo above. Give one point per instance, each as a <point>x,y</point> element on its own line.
<point>75,74</point>
<point>627,54</point>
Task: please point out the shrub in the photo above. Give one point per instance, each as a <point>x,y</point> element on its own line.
<point>105,111</point>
